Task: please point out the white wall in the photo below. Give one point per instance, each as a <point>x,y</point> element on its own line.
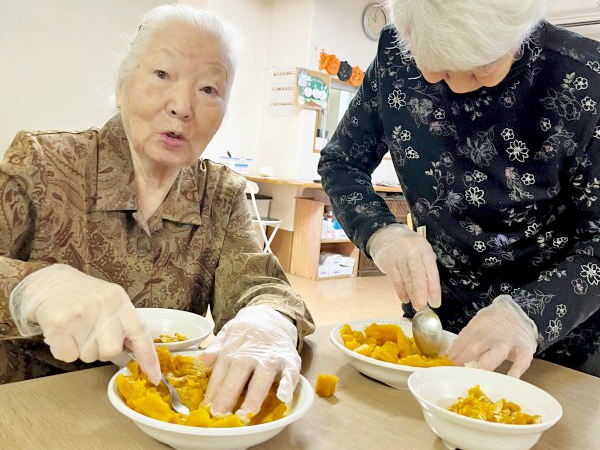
<point>571,5</point>
<point>563,12</point>
<point>239,133</point>
<point>337,29</point>
<point>282,141</point>
<point>59,61</point>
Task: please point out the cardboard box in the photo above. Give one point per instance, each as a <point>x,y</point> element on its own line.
<point>324,271</point>
<point>335,271</point>
<point>345,270</point>
<point>339,234</point>
<point>330,259</point>
<point>347,261</point>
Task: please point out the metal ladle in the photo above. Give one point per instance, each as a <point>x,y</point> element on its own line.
<point>426,325</point>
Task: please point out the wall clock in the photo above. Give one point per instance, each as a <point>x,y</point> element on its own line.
<point>374,19</point>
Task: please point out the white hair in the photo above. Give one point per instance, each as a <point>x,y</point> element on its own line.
<point>461,35</point>
<point>162,16</point>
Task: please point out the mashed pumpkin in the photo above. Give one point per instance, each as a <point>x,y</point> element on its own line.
<point>191,381</point>
<point>388,343</point>
<point>168,338</point>
<point>477,405</point>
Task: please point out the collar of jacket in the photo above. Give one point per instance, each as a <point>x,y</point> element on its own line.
<point>115,190</point>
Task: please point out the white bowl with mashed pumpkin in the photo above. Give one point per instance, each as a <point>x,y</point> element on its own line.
<point>173,329</point>
<point>213,435</point>
<point>394,374</point>
<point>479,425</point>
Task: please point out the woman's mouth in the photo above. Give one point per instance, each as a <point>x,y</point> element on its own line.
<point>172,139</point>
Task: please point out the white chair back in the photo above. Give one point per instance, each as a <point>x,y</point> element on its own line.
<point>252,189</point>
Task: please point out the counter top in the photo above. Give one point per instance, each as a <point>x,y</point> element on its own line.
<point>311,184</point>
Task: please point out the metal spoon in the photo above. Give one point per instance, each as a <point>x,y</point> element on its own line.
<point>176,404</point>
<point>427,331</point>
<point>426,326</point>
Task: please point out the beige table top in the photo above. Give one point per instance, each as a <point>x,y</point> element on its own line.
<point>311,184</point>
<point>72,411</point>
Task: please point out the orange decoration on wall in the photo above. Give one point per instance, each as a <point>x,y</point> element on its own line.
<point>357,76</point>
<point>330,63</point>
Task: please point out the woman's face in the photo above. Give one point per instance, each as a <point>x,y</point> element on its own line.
<point>174,101</point>
<point>462,82</point>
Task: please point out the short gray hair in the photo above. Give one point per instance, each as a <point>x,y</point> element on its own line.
<point>164,15</point>
<point>461,35</point>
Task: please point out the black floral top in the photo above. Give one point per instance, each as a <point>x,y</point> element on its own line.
<point>506,179</point>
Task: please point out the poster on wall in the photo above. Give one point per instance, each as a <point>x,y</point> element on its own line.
<point>312,88</point>
<point>282,91</point>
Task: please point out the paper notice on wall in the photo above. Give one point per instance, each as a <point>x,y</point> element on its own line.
<point>282,91</point>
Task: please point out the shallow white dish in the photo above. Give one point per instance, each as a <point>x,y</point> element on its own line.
<point>439,387</point>
<point>394,375</point>
<point>170,321</point>
<point>183,437</point>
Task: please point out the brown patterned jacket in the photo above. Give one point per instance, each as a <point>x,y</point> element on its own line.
<point>70,198</point>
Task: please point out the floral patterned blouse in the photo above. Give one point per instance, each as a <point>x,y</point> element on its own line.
<point>506,180</point>
<point>70,198</point>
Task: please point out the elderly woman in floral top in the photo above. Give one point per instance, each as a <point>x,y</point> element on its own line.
<point>97,222</point>
<point>490,115</point>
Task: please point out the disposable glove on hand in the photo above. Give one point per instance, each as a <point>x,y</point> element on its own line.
<point>409,262</point>
<point>258,344</point>
<point>497,332</point>
<point>81,317</point>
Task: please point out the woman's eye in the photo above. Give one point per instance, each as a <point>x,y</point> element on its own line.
<point>209,90</point>
<point>160,74</point>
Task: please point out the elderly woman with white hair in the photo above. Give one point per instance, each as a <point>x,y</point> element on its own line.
<point>490,116</point>
<point>98,222</point>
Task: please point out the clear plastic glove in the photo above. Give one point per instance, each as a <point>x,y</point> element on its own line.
<point>409,262</point>
<point>259,344</point>
<point>81,317</point>
<point>497,332</point>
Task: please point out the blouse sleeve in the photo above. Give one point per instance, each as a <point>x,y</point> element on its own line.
<point>247,276</point>
<point>349,159</point>
<point>21,191</point>
<point>567,294</point>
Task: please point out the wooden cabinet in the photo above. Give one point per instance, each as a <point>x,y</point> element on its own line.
<point>308,244</point>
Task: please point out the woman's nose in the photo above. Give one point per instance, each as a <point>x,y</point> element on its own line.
<point>461,82</point>
<point>180,104</point>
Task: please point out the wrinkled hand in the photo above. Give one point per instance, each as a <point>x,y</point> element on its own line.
<point>258,344</point>
<point>81,317</point>
<point>497,332</point>
<point>409,262</point>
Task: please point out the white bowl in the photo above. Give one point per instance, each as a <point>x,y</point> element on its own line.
<point>183,437</point>
<point>439,387</point>
<point>394,375</point>
<point>170,321</point>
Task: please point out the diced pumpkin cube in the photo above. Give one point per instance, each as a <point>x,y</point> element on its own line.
<point>365,349</point>
<point>404,344</point>
<point>387,352</point>
<point>198,418</point>
<point>326,385</point>
<point>388,332</point>
<point>350,342</point>
<point>372,331</point>
<point>346,329</point>
<point>360,337</point>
